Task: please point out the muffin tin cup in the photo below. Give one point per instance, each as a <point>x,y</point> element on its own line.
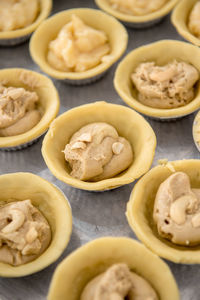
<point>19,36</point>
<point>142,200</point>
<point>48,105</point>
<point>176,50</point>
<point>142,25</point>
<point>137,22</point>
<point>85,81</point>
<point>94,258</point>
<point>22,146</point>
<point>49,29</point>
<point>14,41</point>
<point>55,207</point>
<point>179,19</point>
<point>196,131</point>
<point>126,125</point>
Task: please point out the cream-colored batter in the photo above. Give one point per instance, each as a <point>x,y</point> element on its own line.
<point>18,112</point>
<point>118,283</point>
<point>97,152</point>
<point>137,7</point>
<point>168,86</point>
<point>194,20</point>
<point>16,14</point>
<point>177,210</point>
<point>24,233</point>
<point>77,47</point>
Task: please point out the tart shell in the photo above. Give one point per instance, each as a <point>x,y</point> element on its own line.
<point>180,51</point>
<point>179,19</point>
<point>137,21</point>
<point>15,37</point>
<point>54,206</point>
<point>116,33</point>
<point>140,210</point>
<point>48,104</point>
<point>128,123</point>
<point>95,257</point>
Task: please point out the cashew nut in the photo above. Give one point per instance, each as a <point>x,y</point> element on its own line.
<point>31,235</point>
<point>18,218</point>
<point>178,209</point>
<point>85,137</point>
<point>196,220</point>
<point>117,148</point>
<point>78,145</point>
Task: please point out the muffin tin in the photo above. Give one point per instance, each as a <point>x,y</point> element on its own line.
<point>96,214</point>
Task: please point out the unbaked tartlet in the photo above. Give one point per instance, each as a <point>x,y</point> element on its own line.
<point>141,205</point>
<point>48,31</point>
<point>134,21</point>
<point>128,124</point>
<point>176,51</point>
<point>52,203</point>
<point>14,37</point>
<point>103,253</point>
<point>196,130</point>
<point>180,19</point>
<point>48,104</point>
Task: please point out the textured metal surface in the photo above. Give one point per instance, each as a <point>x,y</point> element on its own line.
<point>96,214</point>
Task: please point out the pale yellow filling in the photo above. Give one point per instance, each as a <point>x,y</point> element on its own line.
<point>18,112</point>
<point>177,210</point>
<point>16,14</point>
<point>24,233</point>
<point>137,7</point>
<point>194,20</point>
<point>168,86</point>
<point>78,47</point>
<point>118,283</point>
<point>97,152</point>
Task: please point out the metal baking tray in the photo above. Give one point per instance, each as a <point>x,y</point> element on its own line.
<point>96,214</point>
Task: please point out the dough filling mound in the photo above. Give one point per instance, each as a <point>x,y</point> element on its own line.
<point>168,86</point>
<point>137,7</point>
<point>17,14</point>
<point>97,152</point>
<point>18,112</point>
<point>24,233</point>
<point>194,20</point>
<point>118,283</point>
<point>77,47</point>
<point>177,210</point>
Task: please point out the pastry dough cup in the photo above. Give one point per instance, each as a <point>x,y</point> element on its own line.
<point>54,206</point>
<point>138,21</point>
<point>140,211</point>
<point>172,50</point>
<point>48,104</point>
<point>116,33</point>
<point>14,37</point>
<point>196,130</point>
<point>180,17</point>
<point>95,257</point>
<point>129,125</point>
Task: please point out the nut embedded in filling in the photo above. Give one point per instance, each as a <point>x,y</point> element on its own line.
<point>96,152</point>
<point>177,210</point>
<point>24,233</point>
<point>118,283</point>
<point>168,86</point>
